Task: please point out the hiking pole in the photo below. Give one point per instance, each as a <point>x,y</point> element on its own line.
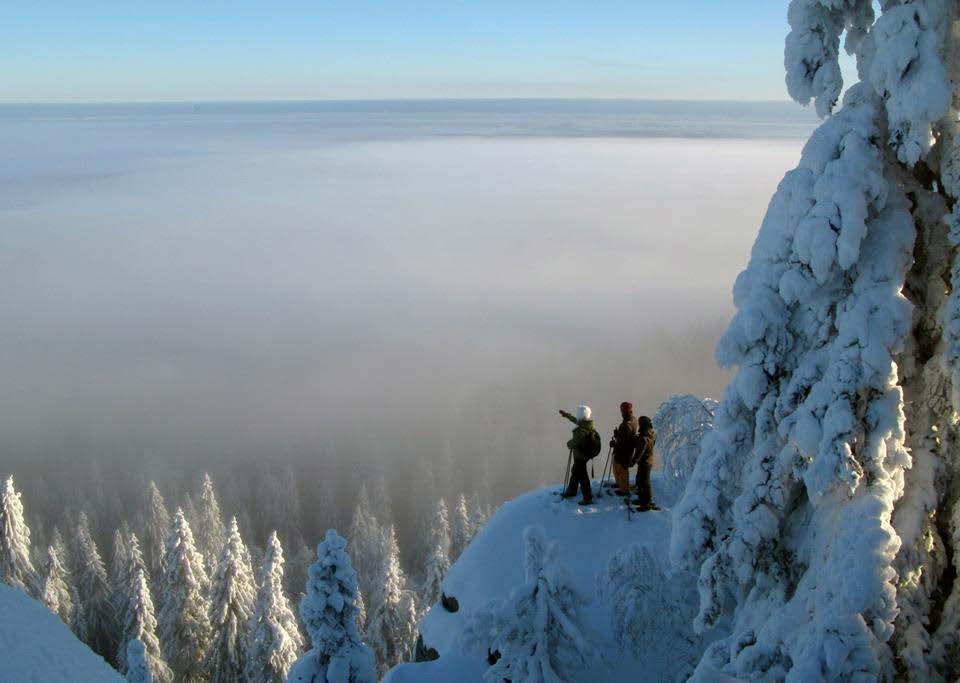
<point>566,472</point>
<point>603,474</point>
<point>606,468</point>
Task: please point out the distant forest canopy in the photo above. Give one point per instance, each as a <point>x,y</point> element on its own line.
<point>503,441</point>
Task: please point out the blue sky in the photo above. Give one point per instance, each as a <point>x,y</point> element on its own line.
<point>344,49</point>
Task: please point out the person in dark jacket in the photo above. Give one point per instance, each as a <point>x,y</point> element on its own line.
<point>579,445</point>
<point>624,444</point>
<point>643,458</point>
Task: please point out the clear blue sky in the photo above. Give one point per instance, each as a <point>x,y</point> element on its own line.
<point>342,49</point>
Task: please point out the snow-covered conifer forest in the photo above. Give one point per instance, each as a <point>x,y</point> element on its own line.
<point>229,613</point>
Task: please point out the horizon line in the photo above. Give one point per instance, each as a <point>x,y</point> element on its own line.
<point>412,99</point>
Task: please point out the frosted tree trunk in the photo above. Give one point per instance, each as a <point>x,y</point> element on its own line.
<point>822,514</point>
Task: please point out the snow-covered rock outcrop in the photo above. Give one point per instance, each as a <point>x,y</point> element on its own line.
<point>35,645</point>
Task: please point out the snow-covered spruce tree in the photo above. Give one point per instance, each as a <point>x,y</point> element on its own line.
<point>138,670</point>
<point>184,619</point>
<point>55,589</point>
<point>190,512</point>
<point>364,537</point>
<point>16,567</point>
<point>392,618</point>
<point>823,507</point>
<point>210,530</point>
<point>118,575</point>
<point>381,500</point>
<point>135,562</point>
<point>155,533</point>
<point>461,529</point>
<point>93,614</point>
<point>438,560</point>
<point>536,629</point>
<point>479,514</point>
<point>329,611</point>
<point>140,624</point>
<point>126,590</point>
<point>60,546</point>
<point>650,606</point>
<point>275,640</point>
<point>231,606</point>
<point>681,423</point>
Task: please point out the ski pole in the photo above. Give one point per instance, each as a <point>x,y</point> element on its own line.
<point>607,468</point>
<point>603,474</point>
<point>566,472</point>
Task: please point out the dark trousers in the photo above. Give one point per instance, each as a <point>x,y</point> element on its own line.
<point>644,495</point>
<point>579,477</point>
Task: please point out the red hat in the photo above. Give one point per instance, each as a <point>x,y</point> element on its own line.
<point>626,408</point>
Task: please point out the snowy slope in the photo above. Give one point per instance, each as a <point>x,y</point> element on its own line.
<point>492,565</point>
<point>36,646</point>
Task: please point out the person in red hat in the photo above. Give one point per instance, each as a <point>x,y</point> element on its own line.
<point>624,443</point>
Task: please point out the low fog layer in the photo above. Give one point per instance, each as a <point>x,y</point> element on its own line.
<point>260,296</point>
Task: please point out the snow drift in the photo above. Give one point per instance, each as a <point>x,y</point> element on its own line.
<point>37,646</point>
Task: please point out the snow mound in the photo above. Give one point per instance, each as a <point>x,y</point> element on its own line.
<point>35,645</point>
<point>492,565</point>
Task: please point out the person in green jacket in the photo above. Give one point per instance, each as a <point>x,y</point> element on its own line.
<point>581,444</point>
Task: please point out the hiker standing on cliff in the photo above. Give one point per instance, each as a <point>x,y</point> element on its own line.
<point>624,444</point>
<point>584,445</point>
<point>646,438</point>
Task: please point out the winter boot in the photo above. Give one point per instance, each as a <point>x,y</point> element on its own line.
<point>585,501</point>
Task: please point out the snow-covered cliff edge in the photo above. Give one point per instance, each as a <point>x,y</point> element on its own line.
<point>588,537</point>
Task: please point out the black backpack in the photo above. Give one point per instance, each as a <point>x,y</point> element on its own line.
<point>595,445</point>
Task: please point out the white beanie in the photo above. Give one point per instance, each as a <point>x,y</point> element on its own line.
<point>584,412</point>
